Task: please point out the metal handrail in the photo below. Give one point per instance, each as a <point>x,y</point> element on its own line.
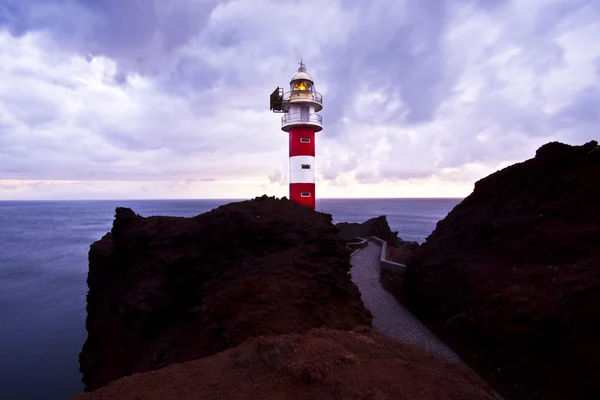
<point>316,96</point>
<point>298,117</point>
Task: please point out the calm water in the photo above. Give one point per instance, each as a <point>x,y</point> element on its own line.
<point>43,271</point>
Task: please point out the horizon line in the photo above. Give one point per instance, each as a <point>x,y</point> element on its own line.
<point>240,198</point>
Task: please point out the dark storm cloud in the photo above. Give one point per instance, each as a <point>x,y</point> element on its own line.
<point>141,35</point>
<point>426,80</point>
<point>477,97</point>
<point>399,54</point>
<point>191,75</point>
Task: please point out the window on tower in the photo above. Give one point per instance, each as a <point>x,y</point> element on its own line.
<point>304,140</point>
<point>305,166</point>
<point>305,194</point>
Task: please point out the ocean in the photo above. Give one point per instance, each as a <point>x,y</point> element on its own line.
<point>43,271</point>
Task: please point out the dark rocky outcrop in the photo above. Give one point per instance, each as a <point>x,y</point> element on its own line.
<point>322,364</point>
<point>511,277</point>
<point>378,227</point>
<point>165,290</point>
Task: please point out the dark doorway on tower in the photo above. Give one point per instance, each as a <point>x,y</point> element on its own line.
<point>305,194</point>
<point>305,166</point>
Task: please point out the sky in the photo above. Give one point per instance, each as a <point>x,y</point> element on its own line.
<point>133,99</point>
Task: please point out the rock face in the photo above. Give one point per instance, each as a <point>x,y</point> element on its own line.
<point>164,290</point>
<point>511,277</point>
<point>373,227</point>
<point>320,364</point>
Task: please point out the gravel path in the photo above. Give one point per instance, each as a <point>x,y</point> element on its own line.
<point>390,317</point>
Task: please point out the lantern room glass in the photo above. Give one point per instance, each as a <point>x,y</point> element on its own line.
<point>301,85</point>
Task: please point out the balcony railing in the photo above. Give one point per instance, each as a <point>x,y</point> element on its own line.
<point>297,118</point>
<point>310,95</point>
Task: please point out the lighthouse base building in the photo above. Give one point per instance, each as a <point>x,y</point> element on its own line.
<point>300,120</point>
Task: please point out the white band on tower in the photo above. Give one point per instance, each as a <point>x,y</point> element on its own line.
<point>302,169</point>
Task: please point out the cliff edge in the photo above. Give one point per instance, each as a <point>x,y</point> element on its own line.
<point>165,290</point>
<point>378,227</point>
<point>511,277</point>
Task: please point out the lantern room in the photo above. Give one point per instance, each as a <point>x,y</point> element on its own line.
<point>302,90</point>
<point>301,104</point>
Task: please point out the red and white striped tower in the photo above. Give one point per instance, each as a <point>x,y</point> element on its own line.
<point>300,105</point>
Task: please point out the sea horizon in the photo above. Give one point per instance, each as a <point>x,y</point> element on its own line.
<point>237,198</point>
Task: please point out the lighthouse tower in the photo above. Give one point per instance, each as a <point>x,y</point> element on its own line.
<point>300,106</point>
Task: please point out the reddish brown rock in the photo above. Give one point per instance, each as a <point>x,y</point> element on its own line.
<point>165,290</point>
<point>378,227</point>
<point>321,364</point>
<point>511,277</point>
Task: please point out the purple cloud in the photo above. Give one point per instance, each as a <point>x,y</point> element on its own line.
<point>154,90</point>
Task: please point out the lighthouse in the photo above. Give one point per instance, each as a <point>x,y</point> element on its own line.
<point>300,120</point>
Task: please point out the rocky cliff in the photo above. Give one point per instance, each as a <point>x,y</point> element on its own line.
<point>165,290</point>
<point>511,277</point>
<point>251,300</point>
<point>378,227</point>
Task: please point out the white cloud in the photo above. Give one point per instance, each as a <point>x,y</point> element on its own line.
<point>420,99</point>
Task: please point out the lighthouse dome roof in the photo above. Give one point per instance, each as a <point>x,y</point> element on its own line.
<point>302,75</point>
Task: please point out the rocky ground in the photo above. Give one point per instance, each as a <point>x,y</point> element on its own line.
<point>378,227</point>
<point>321,364</point>
<point>165,290</point>
<point>400,255</point>
<point>219,306</point>
<point>398,250</point>
<point>511,277</point>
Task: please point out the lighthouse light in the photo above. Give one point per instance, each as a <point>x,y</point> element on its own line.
<point>302,85</point>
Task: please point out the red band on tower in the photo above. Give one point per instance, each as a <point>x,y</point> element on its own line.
<point>298,189</point>
<point>302,141</point>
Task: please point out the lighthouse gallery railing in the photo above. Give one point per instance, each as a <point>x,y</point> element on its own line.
<point>303,94</point>
<point>298,117</point>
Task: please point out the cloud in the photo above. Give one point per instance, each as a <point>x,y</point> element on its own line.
<point>141,36</point>
<point>155,91</point>
<point>277,177</point>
